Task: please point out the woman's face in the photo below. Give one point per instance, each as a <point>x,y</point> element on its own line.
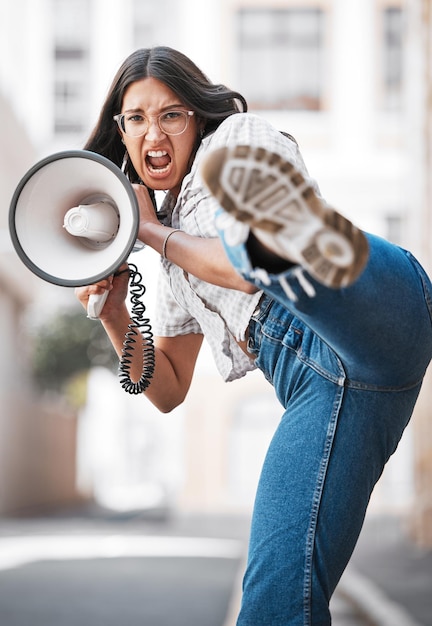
<point>160,160</point>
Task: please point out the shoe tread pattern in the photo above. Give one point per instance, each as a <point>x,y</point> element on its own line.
<point>268,193</point>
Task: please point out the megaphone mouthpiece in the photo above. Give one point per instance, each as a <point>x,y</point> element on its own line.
<point>97,222</point>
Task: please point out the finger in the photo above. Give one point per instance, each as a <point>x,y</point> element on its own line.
<point>98,288</point>
<point>123,270</point>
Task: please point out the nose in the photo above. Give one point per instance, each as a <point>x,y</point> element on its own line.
<point>153,130</point>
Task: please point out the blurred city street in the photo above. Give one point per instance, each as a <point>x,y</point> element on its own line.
<point>149,553</point>
<point>94,567</point>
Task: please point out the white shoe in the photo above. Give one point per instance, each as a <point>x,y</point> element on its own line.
<point>266,192</point>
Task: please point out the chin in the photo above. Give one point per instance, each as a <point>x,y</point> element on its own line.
<point>158,186</point>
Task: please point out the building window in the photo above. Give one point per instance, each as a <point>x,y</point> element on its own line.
<point>392,58</point>
<point>281,57</point>
<point>71,65</point>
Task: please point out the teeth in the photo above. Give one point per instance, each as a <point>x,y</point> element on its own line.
<point>157,153</point>
<point>159,170</point>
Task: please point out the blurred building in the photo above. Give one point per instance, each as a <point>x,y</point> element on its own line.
<point>37,439</point>
<point>419,224</point>
<point>350,79</point>
<point>328,71</point>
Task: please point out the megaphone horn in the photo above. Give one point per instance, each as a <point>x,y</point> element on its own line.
<point>41,202</point>
<point>74,220</point>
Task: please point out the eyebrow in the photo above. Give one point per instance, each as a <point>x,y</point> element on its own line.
<point>169,107</point>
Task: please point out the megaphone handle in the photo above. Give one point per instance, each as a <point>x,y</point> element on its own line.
<point>96,304</point>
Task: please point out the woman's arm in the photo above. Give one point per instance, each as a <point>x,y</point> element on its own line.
<point>202,257</point>
<point>175,357</point>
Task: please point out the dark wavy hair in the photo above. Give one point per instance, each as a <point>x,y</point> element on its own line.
<point>212,103</point>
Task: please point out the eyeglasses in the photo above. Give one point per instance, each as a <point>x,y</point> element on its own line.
<point>170,122</point>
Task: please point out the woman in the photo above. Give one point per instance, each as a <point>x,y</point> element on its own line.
<point>254,260</point>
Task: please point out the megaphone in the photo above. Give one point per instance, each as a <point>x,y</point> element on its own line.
<point>73,221</point>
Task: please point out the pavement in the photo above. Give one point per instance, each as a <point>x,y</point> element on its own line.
<point>390,577</point>
<point>387,583</point>
<point>48,564</point>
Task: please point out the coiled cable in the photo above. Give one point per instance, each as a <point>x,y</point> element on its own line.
<point>139,328</point>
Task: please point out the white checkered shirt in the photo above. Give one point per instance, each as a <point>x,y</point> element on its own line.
<point>186,304</point>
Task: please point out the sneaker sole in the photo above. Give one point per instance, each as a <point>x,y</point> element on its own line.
<point>269,194</point>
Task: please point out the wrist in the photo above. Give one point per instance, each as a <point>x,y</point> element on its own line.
<point>173,231</point>
<point>115,317</point>
<point>152,234</point>
<point>157,236</point>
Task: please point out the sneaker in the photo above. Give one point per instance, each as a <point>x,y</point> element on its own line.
<point>261,189</point>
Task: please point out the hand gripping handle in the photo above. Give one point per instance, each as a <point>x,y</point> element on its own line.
<point>96,304</point>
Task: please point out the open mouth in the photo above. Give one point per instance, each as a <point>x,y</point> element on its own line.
<point>158,161</point>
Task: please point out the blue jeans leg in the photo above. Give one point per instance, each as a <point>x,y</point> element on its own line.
<point>347,366</point>
<point>320,469</point>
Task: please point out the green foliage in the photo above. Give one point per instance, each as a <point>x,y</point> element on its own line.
<point>66,346</point>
